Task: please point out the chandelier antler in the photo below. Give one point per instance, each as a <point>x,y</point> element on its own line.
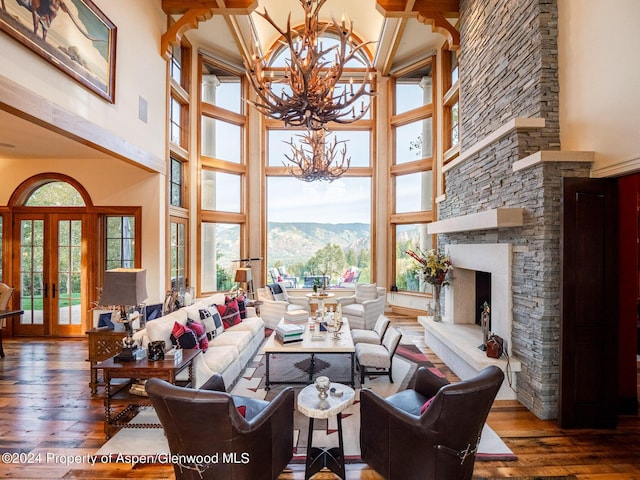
<point>315,159</point>
<point>310,96</point>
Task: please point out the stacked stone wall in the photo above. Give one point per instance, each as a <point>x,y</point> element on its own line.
<point>508,69</point>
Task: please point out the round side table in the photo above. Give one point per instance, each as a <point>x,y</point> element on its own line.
<point>314,407</point>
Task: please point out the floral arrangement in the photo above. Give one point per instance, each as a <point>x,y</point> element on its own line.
<point>434,264</point>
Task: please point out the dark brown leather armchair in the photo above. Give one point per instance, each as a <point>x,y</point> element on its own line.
<point>399,442</point>
<point>206,422</point>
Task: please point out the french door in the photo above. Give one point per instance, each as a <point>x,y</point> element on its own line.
<point>49,255</point>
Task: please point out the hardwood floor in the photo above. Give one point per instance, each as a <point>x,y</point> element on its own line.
<point>46,408</point>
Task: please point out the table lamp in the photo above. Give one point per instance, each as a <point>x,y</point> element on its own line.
<point>125,287</point>
<point>243,275</point>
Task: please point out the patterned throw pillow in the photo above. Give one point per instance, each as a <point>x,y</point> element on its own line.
<point>242,306</point>
<point>217,320</point>
<point>230,313</point>
<point>183,337</point>
<point>200,332</point>
<point>206,316</point>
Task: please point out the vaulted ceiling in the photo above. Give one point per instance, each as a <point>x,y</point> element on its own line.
<point>402,32</point>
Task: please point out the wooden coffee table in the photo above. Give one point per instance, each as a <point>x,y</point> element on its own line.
<point>320,343</point>
<point>138,370</point>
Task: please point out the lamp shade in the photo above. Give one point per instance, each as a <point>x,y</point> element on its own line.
<point>124,286</point>
<point>243,275</point>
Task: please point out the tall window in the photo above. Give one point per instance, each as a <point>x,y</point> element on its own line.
<point>222,174</point>
<point>412,172</point>
<point>120,240</point>
<point>320,229</point>
<point>178,251</point>
<point>450,104</point>
<point>176,183</point>
<point>178,168</point>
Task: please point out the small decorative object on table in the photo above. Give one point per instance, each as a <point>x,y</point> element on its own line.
<point>435,267</point>
<point>485,324</point>
<point>322,385</point>
<point>173,354</point>
<point>156,350</point>
<point>334,328</point>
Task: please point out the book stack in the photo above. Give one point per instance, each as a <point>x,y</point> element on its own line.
<point>296,316</point>
<point>289,332</point>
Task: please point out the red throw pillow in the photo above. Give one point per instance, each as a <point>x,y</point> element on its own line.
<point>200,332</point>
<point>230,313</point>
<point>183,337</point>
<point>242,410</point>
<point>426,405</point>
<point>242,306</point>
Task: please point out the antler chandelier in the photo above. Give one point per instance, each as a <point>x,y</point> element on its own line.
<point>311,95</point>
<point>319,160</point>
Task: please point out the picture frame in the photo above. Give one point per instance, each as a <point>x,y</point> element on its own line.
<point>73,35</point>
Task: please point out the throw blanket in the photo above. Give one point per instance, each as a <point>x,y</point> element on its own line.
<point>275,288</point>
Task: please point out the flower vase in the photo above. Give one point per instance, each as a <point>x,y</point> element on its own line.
<point>437,311</point>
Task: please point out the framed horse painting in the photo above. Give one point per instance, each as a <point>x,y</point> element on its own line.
<point>73,35</point>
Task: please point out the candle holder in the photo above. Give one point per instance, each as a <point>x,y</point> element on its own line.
<point>322,385</point>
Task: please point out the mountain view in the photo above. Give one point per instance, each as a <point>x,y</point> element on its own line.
<point>294,243</point>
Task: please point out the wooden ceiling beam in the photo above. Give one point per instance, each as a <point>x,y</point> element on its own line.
<point>405,8</point>
<point>429,12</point>
<point>230,7</point>
<point>195,11</point>
<point>189,21</point>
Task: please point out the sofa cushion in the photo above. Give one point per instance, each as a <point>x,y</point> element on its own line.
<point>250,406</point>
<point>252,325</point>
<point>370,355</point>
<point>161,328</point>
<point>408,401</point>
<point>238,339</point>
<point>365,336</point>
<point>366,292</point>
<point>353,309</point>
<point>219,357</point>
<point>183,337</point>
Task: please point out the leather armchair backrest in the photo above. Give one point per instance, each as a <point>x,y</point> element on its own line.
<point>458,411</point>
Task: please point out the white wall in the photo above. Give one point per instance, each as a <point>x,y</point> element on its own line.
<point>140,71</point>
<point>599,79</point>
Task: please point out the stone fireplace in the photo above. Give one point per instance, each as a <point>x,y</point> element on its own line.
<point>460,303</point>
<point>456,339</point>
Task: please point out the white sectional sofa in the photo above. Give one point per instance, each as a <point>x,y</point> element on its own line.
<point>228,353</point>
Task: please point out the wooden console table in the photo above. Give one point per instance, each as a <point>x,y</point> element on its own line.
<point>138,370</point>
<point>103,343</point>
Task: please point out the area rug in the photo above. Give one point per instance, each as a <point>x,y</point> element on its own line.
<point>151,441</point>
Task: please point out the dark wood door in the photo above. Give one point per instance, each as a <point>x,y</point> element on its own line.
<point>589,312</point>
